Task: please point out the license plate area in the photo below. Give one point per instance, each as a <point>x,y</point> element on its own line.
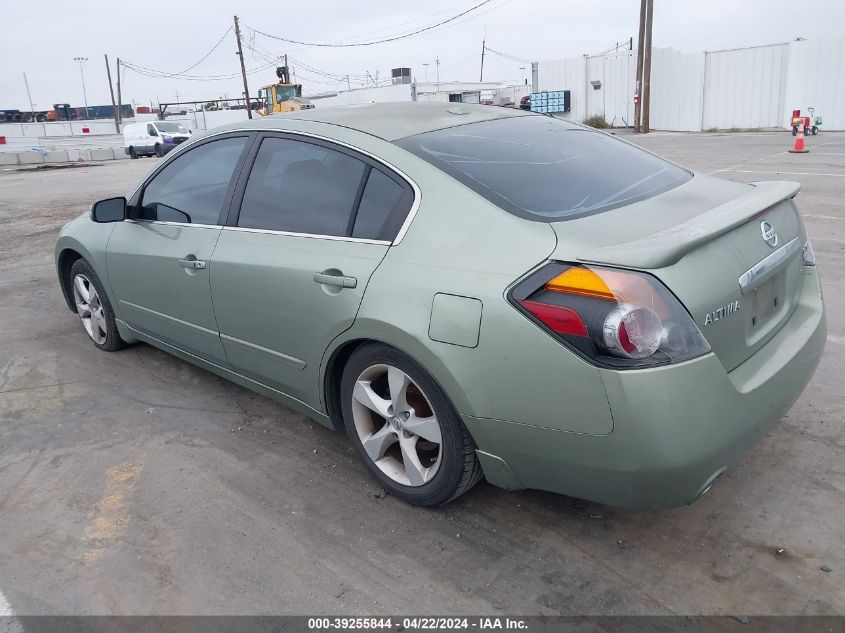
<point>765,302</point>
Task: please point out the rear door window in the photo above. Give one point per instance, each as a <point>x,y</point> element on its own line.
<point>545,169</point>
<point>301,187</point>
<point>384,206</point>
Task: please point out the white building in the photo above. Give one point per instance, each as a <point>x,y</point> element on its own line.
<point>495,93</point>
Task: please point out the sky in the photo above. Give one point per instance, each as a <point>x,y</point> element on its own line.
<point>42,39</point>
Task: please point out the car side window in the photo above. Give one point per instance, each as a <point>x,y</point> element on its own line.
<point>383,208</point>
<point>151,130</point>
<point>192,187</point>
<point>301,187</point>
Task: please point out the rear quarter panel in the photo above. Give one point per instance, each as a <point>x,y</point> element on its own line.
<point>460,244</point>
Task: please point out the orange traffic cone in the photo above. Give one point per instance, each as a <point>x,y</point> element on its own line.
<point>799,148</point>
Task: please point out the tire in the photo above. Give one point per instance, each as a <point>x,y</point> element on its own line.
<point>440,472</point>
<point>794,130</point>
<point>815,130</point>
<point>103,330</point>
<point>158,151</point>
<point>133,154</point>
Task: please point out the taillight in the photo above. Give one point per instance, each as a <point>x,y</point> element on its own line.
<point>617,318</point>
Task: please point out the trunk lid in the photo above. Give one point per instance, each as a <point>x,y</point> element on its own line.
<point>705,241</point>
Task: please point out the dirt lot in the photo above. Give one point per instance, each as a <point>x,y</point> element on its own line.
<point>135,483</point>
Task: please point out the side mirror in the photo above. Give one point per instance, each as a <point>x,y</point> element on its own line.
<point>109,210</point>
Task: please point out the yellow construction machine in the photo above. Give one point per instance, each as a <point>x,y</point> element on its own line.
<point>283,96</point>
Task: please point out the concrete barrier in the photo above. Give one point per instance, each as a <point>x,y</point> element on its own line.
<point>8,158</point>
<point>56,156</point>
<point>30,158</point>
<point>119,153</point>
<point>98,154</point>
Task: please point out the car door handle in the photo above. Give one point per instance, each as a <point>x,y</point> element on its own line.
<point>192,263</point>
<point>342,281</point>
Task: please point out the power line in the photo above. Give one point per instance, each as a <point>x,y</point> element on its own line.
<point>165,74</point>
<point>381,41</point>
<point>507,56</point>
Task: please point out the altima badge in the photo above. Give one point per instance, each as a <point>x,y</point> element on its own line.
<point>770,236</point>
<point>721,313</point>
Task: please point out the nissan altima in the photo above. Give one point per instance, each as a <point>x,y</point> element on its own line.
<point>468,291</point>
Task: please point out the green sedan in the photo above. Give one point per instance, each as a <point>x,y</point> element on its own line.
<point>468,291</point>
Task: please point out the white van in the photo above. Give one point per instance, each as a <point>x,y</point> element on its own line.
<point>153,137</point>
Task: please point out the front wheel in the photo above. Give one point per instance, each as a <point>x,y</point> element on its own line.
<point>405,429</point>
<point>94,308</point>
<point>815,130</point>
<point>794,130</point>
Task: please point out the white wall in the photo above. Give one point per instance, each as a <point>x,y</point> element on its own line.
<point>754,87</point>
<point>816,77</point>
<point>677,80</point>
<point>744,88</point>
<point>566,74</point>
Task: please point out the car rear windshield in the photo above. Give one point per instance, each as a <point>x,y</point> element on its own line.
<point>545,169</point>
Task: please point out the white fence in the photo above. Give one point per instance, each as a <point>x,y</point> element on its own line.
<point>755,87</point>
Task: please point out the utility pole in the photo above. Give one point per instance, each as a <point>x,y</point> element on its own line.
<point>483,47</point>
<point>29,96</point>
<point>437,68</point>
<point>111,92</point>
<point>640,51</point>
<point>177,96</point>
<point>348,86</point>
<point>81,61</point>
<point>426,64</point>
<point>240,55</point>
<point>119,101</point>
<point>286,65</point>
<point>647,68</point>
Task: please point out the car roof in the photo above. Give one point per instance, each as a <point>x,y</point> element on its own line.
<point>392,121</point>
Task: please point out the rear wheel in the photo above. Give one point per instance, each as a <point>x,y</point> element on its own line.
<point>133,154</point>
<point>405,429</point>
<point>158,150</point>
<point>94,308</point>
<point>794,130</point>
<point>815,130</point>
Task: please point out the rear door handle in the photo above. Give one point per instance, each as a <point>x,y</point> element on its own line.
<point>342,281</point>
<point>192,263</point>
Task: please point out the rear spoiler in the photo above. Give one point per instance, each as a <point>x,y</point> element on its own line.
<point>667,247</point>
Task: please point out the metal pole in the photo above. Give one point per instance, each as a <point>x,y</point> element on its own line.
<point>111,92</point>
<point>638,83</point>
<point>348,86</point>
<point>29,96</point>
<point>119,101</point>
<point>483,46</point>
<point>240,55</point>
<point>426,71</point>
<point>437,68</point>
<point>81,60</point>
<point>647,69</point>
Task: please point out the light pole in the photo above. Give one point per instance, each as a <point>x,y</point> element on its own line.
<point>522,68</point>
<point>81,61</point>
<point>426,71</point>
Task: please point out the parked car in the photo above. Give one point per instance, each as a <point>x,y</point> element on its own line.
<point>468,290</point>
<point>525,102</point>
<point>153,138</point>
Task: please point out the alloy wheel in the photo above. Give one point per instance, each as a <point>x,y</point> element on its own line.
<point>397,425</point>
<point>90,309</point>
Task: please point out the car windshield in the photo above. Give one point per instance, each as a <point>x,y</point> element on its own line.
<point>170,126</point>
<point>542,168</point>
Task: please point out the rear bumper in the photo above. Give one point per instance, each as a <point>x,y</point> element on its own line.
<point>675,429</point>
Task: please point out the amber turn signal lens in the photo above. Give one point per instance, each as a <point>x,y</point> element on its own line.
<point>580,281</point>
